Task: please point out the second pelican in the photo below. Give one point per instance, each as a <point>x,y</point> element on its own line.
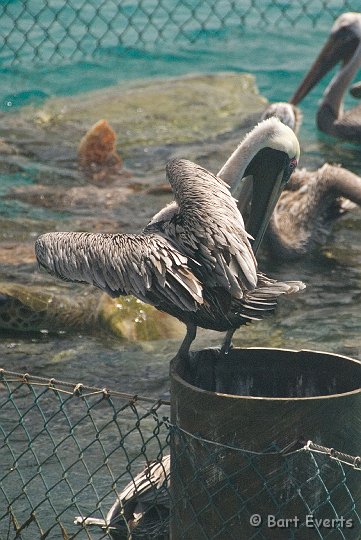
<point>343,45</point>
<point>310,203</point>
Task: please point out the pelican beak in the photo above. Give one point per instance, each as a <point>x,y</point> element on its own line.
<point>339,47</point>
<point>271,170</point>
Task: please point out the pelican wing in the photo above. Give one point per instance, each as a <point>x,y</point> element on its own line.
<point>348,126</point>
<point>210,228</point>
<point>146,266</point>
<point>150,486</point>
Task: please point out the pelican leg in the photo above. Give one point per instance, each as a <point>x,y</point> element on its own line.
<point>227,343</point>
<point>187,341</point>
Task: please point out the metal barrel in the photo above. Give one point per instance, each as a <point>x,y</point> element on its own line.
<point>240,423</point>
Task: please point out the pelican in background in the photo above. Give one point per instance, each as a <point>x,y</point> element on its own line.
<point>343,45</point>
<point>309,204</point>
<point>355,90</point>
<point>307,209</point>
<point>194,260</point>
<point>142,508</point>
<point>289,114</point>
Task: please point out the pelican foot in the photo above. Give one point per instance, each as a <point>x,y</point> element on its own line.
<point>184,349</point>
<point>227,343</point>
<point>226,348</point>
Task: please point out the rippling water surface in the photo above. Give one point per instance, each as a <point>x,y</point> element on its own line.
<point>326,316</point>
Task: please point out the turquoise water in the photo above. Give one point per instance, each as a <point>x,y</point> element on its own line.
<point>326,316</point>
<point>278,54</point>
<point>59,56</point>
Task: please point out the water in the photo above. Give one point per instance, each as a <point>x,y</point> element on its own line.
<point>326,316</point>
<point>271,60</point>
<point>278,57</point>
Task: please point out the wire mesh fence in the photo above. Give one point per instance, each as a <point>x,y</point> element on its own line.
<point>67,451</point>
<point>310,492</point>
<point>81,462</point>
<point>56,30</point>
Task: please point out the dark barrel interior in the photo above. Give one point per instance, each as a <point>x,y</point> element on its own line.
<point>274,373</point>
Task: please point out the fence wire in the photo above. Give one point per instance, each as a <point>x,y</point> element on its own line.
<point>56,30</point>
<point>68,450</point>
<point>82,462</point>
<point>311,492</point>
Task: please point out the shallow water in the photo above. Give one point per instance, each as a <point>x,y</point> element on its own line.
<point>326,316</point>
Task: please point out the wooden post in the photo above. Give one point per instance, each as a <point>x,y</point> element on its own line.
<point>261,400</point>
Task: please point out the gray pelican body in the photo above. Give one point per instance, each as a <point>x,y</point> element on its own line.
<point>306,210</point>
<point>194,259</point>
<point>343,45</point>
<point>310,202</point>
<point>142,508</point>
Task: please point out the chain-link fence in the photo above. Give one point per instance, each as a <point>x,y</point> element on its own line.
<point>305,493</point>
<point>71,462</point>
<point>53,30</point>
<point>68,450</point>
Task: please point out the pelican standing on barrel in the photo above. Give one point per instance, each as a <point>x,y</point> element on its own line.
<point>310,202</point>
<point>343,45</point>
<point>194,260</point>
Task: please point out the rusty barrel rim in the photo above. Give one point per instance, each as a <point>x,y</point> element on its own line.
<point>176,364</point>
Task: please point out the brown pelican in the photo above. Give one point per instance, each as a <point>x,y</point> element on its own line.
<point>289,114</point>
<point>343,45</point>
<point>306,210</point>
<point>142,508</point>
<point>194,259</point>
<point>309,204</point>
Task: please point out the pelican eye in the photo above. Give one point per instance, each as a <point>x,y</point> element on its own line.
<point>292,165</point>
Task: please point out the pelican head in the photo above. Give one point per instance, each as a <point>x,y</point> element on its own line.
<point>289,114</point>
<point>341,46</point>
<point>258,170</point>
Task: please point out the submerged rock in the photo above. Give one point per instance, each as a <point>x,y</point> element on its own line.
<point>97,154</point>
<point>149,114</point>
<point>30,308</point>
<point>201,117</point>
